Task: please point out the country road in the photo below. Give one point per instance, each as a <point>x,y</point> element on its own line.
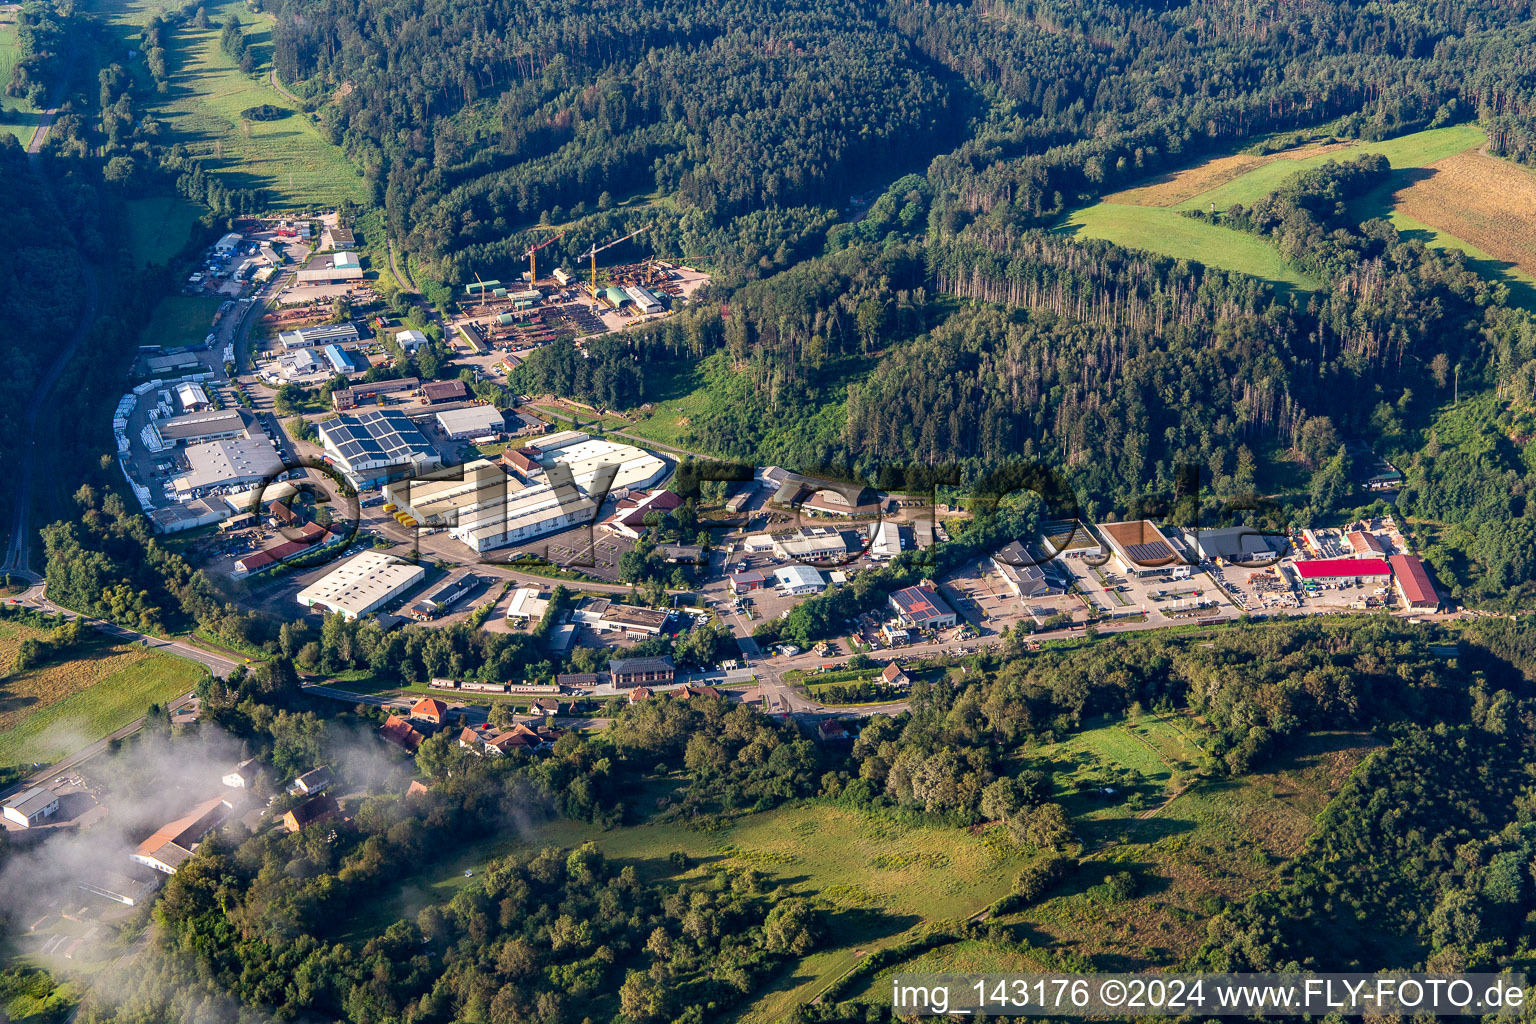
<point>18,547</point>
<point>272,78</point>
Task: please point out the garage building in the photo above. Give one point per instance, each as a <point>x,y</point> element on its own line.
<point>33,807</point>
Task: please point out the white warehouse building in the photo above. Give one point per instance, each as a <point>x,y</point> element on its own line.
<point>484,507</point>
<point>362,584</point>
<point>474,421</point>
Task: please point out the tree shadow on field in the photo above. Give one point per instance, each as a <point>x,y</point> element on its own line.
<point>1382,202</point>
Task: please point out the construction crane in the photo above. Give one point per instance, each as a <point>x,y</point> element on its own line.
<point>532,277</point>
<point>592,254</point>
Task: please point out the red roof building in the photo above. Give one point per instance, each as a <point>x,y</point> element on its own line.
<point>429,709</point>
<point>640,693</point>
<point>1341,568</point>
<point>401,733</point>
<point>1413,584</point>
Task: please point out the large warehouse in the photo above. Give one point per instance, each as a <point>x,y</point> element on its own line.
<point>1414,587</point>
<point>377,445</point>
<point>1139,546</point>
<point>362,584</point>
<point>343,266</point>
<point>203,426</point>
<point>484,507</point>
<point>325,334</point>
<point>227,463</point>
<point>475,421</point>
<point>1341,568</point>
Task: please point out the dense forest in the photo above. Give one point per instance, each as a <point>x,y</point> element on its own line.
<point>544,934</point>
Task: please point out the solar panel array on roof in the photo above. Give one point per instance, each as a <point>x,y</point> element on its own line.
<point>378,435</point>
<point>1149,553</point>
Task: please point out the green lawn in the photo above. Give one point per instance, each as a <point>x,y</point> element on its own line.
<point>181,320</point>
<point>879,878</point>
<point>287,158</point>
<point>160,227</point>
<point>1169,233</point>
<point>1164,230</point>
<point>56,709</point>
<point>17,116</point>
<point>1417,150</point>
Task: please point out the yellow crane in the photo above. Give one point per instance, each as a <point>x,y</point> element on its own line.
<point>591,254</point>
<point>532,277</point>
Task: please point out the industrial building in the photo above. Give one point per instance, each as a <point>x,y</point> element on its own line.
<point>799,579</point>
<point>1021,574</point>
<point>921,607</point>
<point>644,301</point>
<point>475,421</point>
<point>444,596</point>
<point>341,361</point>
<point>444,391</point>
<point>810,543</point>
<point>191,397</point>
<point>324,334</point>
<point>748,580</point>
<point>361,584</point>
<point>202,426</point>
<point>343,266</point>
<point>375,446</point>
<point>885,540</point>
<point>410,340</point>
<point>1238,545</point>
<point>349,398</point>
<point>227,463</point>
<point>193,514</point>
<point>1341,568</point>
<point>229,243</point>
<point>484,507</point>
<point>32,807</point>
<point>1414,587</point>
<point>1139,547</point>
<point>172,844</point>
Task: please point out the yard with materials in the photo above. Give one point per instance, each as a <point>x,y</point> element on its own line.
<point>96,688</point>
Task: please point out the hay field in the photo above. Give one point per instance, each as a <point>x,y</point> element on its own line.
<point>1175,187</point>
<point>49,711</point>
<point>1488,202</point>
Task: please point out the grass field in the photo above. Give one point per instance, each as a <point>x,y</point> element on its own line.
<point>287,158</point>
<point>1419,149</point>
<point>159,227</point>
<point>1169,233</point>
<point>1198,844</point>
<point>17,116</point>
<point>49,711</point>
<point>879,878</point>
<point>181,320</point>
<point>1149,216</point>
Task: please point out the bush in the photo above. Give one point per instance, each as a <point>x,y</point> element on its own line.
<point>265,112</point>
